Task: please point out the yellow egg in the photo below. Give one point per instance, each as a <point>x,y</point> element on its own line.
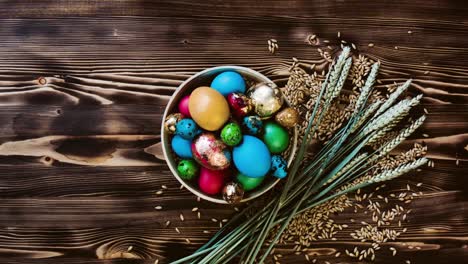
<point>208,108</point>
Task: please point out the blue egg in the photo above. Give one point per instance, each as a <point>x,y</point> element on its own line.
<point>279,166</point>
<point>228,82</point>
<point>182,147</point>
<point>251,157</point>
<point>187,128</point>
<point>252,125</point>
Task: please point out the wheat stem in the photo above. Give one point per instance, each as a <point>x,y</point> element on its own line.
<point>335,76</point>
<point>404,133</point>
<point>391,117</point>
<point>363,118</point>
<point>343,76</point>
<point>398,171</point>
<point>348,166</point>
<point>366,89</point>
<point>393,97</point>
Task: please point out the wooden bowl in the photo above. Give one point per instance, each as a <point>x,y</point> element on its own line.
<point>204,78</point>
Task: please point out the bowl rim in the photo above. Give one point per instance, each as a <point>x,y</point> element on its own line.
<point>164,134</point>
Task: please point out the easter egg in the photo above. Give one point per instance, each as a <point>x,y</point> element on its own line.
<point>287,117</point>
<point>275,137</point>
<point>231,134</point>
<point>252,157</point>
<point>228,82</point>
<point>210,152</point>
<point>240,104</point>
<point>252,124</point>
<point>188,169</point>
<point>208,108</point>
<point>210,181</point>
<point>171,121</point>
<point>278,166</point>
<point>233,193</point>
<point>187,128</point>
<point>184,106</point>
<point>182,147</point>
<point>249,183</point>
<point>266,99</point>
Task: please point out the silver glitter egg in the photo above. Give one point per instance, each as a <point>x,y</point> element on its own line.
<point>266,99</point>
<point>233,193</point>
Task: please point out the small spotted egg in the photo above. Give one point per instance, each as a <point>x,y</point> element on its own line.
<point>278,166</point>
<point>252,125</point>
<point>231,134</point>
<point>188,169</point>
<point>187,128</point>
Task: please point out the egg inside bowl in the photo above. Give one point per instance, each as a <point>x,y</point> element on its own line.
<point>204,79</point>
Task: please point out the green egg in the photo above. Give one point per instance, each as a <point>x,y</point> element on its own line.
<point>188,169</point>
<point>249,183</point>
<point>275,137</point>
<point>231,134</point>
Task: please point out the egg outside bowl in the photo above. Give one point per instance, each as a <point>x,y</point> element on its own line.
<point>204,78</point>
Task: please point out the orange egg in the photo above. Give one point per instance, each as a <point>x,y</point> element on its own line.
<point>208,108</point>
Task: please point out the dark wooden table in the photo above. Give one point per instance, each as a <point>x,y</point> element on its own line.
<point>83,85</point>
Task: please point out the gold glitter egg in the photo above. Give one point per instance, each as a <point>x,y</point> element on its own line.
<point>233,192</point>
<point>266,99</point>
<point>171,122</point>
<point>287,117</point>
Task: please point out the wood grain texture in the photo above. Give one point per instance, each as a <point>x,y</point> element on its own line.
<point>83,85</point>
<point>436,10</point>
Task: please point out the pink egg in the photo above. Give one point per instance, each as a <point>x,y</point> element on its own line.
<point>184,106</point>
<point>211,182</point>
